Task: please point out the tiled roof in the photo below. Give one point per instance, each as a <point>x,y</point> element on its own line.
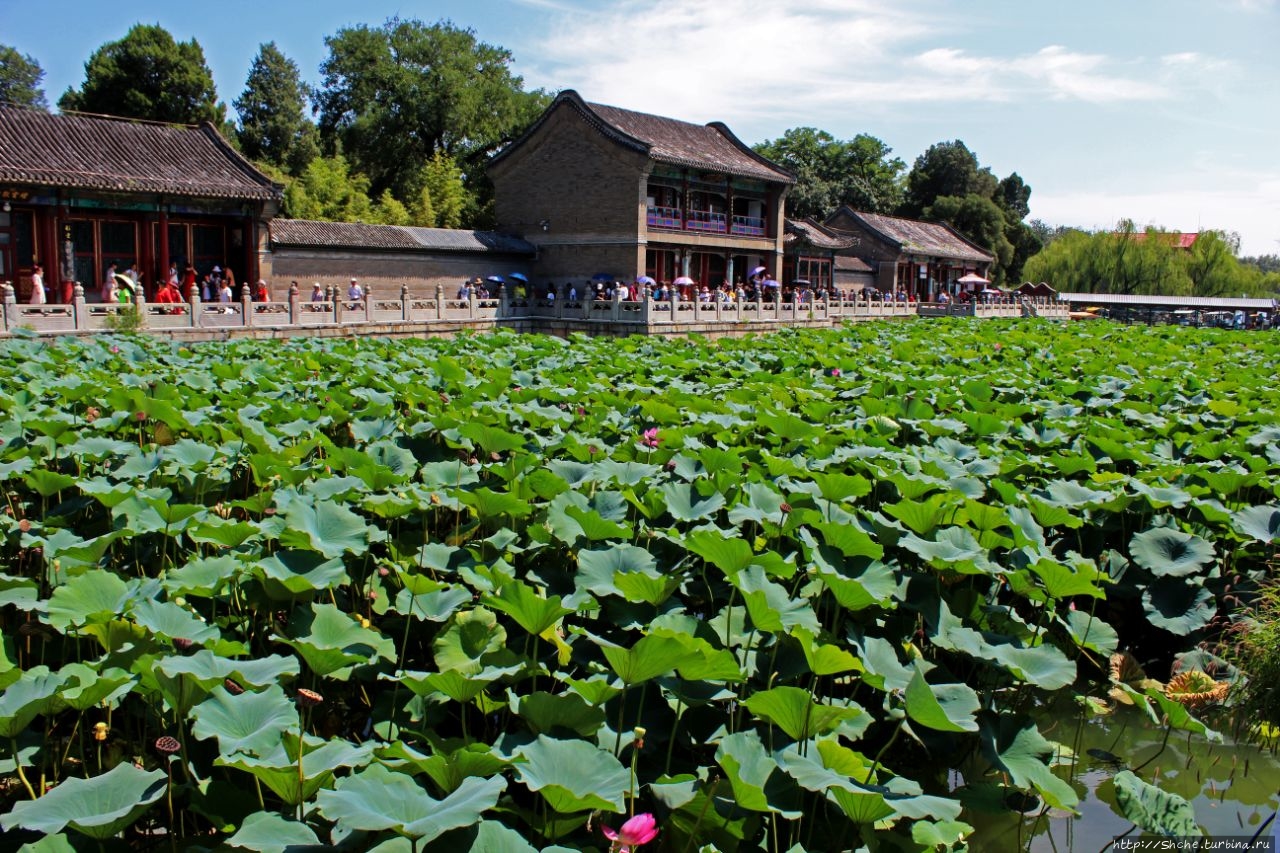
<point>119,155</point>
<point>712,147</point>
<point>815,235</point>
<point>922,238</point>
<point>848,263</point>
<point>358,235</point>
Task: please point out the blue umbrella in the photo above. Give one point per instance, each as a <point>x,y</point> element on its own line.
<point>497,279</point>
<point>644,279</point>
<point>518,276</point>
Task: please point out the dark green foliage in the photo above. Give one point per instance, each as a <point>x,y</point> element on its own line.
<point>393,96</point>
<point>273,124</point>
<point>148,75</point>
<point>20,78</point>
<point>832,172</point>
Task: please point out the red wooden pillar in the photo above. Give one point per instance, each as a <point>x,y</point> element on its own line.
<point>164,246</point>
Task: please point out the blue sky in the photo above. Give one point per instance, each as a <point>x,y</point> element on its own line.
<point>1161,111</point>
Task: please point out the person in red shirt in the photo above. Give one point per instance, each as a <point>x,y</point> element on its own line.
<point>169,295</point>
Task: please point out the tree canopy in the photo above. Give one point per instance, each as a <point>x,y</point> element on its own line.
<point>148,75</point>
<point>20,79</point>
<point>831,172</point>
<point>947,169</point>
<point>392,96</point>
<point>273,124</point>
<point>1130,260</point>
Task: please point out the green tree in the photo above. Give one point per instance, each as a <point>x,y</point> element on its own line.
<point>946,169</point>
<point>443,199</point>
<point>830,172</point>
<point>1014,196</point>
<point>148,75</point>
<point>393,96</point>
<point>980,220</point>
<point>329,191</point>
<point>1211,266</point>
<point>389,211</point>
<point>20,79</point>
<point>273,124</point>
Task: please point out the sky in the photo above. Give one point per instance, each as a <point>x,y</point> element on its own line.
<point>1160,111</point>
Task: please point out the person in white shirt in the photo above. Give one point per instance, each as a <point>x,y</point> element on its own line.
<point>355,292</point>
<point>38,296</point>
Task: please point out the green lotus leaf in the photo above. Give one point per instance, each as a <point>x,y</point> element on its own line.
<point>758,502</point>
<point>626,473</point>
<point>533,612</point>
<point>49,844</point>
<point>98,807</point>
<point>649,657</point>
<point>940,834</point>
<point>424,599</point>
<point>825,658</point>
<point>597,569</point>
<point>203,576</point>
<point>446,769</point>
<point>1261,523</point>
<point>247,722</point>
<point>573,775</point>
<point>574,474</point>
<point>288,573</point>
<point>1152,809</point>
<point>489,438</point>
<point>771,608</point>
<point>643,587</point>
<point>1177,606</point>
<point>729,555</point>
<point>269,833</point>
<point>490,504</point>
<point>208,669</point>
<point>33,694</point>
<point>1067,493</point>
<point>377,798</point>
<point>332,643</point>
<point>595,526</point>
<point>923,517</point>
<point>222,531</point>
<point>686,503</point>
<point>327,527</point>
<point>952,547</point>
<point>883,670</point>
<point>754,775</point>
<point>48,483</point>
<point>1170,553</point>
<point>470,636</point>
<point>455,684</point>
<point>84,687</point>
<point>544,713</point>
<point>702,661</point>
<point>944,707</point>
<point>170,620</point>
<point>794,711</point>
<point>1092,633</point>
<point>95,596</point>
<point>297,781</point>
<point>1015,745</point>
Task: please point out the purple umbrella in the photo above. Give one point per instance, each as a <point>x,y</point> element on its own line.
<point>757,271</point>
<point>644,279</point>
<point>684,279</point>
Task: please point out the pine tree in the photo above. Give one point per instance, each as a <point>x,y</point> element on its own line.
<point>148,75</point>
<point>273,125</point>
<point>20,78</point>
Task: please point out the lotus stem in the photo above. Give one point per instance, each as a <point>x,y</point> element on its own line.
<point>17,762</point>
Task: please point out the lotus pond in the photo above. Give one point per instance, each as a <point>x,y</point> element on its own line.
<point>805,591</point>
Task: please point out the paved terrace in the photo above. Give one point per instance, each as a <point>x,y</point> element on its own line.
<point>403,315</point>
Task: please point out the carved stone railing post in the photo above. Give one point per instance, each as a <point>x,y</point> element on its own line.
<point>193,305</point>
<point>368,304</point>
<point>404,302</point>
<point>295,306</point>
<point>439,301</point>
<point>504,309</point>
<point>140,305</point>
<point>10,306</point>
<point>79,313</point>
<point>246,306</point>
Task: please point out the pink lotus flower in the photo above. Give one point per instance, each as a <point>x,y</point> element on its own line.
<point>641,829</point>
<point>650,438</point>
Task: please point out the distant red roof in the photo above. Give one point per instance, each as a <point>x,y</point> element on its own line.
<point>1176,239</point>
<point>121,155</point>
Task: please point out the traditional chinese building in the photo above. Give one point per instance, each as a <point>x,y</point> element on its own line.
<point>81,192</point>
<point>603,190</point>
<point>920,258</point>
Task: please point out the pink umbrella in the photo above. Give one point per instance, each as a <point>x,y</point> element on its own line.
<point>684,279</point>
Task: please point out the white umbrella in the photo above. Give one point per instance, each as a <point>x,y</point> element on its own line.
<point>684,279</point>
<point>972,278</point>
